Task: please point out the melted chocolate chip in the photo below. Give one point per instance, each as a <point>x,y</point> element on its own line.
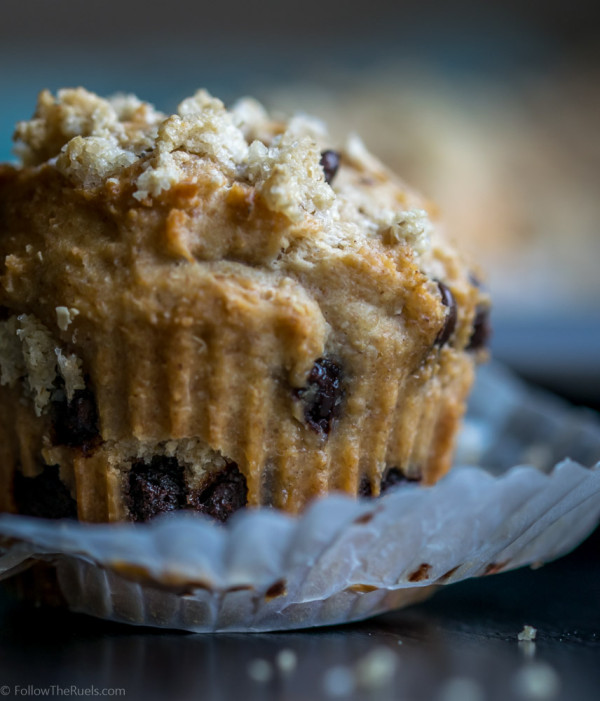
<point>482,329</point>
<point>323,395</point>
<point>225,494</point>
<point>450,324</point>
<point>155,488</point>
<point>396,478</point>
<point>159,487</point>
<point>364,487</point>
<point>330,162</point>
<point>45,495</point>
<point>76,422</point>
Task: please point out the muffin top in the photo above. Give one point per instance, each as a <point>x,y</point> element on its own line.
<point>120,213</point>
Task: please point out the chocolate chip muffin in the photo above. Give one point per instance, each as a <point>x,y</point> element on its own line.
<point>218,309</point>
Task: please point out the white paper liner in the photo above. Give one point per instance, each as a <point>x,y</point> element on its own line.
<point>341,560</point>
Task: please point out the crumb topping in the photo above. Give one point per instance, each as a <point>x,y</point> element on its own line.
<point>91,160</point>
<point>527,634</point>
<point>121,121</point>
<point>94,141</point>
<point>202,127</point>
<point>64,317</point>
<point>289,176</point>
<point>27,350</point>
<point>412,227</point>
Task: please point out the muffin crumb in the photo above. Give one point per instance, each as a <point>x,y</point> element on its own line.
<point>528,633</point>
<point>412,227</point>
<point>28,350</point>
<point>65,316</point>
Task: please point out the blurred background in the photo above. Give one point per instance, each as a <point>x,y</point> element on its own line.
<point>491,109</point>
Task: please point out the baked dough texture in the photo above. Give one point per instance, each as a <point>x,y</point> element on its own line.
<point>215,309</point>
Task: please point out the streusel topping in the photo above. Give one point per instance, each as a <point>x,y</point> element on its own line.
<point>95,141</point>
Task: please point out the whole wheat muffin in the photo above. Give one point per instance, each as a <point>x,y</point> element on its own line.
<point>216,309</point>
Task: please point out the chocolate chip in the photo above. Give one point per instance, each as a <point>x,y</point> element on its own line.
<point>394,477</point>
<point>155,488</point>
<point>482,329</point>
<point>364,487</point>
<point>5,313</point>
<point>450,323</point>
<point>323,395</point>
<point>76,422</point>
<point>330,162</point>
<point>45,495</point>
<point>159,487</point>
<point>226,493</point>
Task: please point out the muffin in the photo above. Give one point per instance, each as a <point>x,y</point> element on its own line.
<point>219,309</point>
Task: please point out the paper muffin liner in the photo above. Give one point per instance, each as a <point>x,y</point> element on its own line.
<point>342,560</point>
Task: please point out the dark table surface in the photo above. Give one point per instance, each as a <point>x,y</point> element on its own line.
<point>461,645</point>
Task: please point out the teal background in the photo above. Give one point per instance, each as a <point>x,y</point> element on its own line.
<point>164,52</point>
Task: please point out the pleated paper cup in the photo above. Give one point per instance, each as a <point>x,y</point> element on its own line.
<point>527,492</point>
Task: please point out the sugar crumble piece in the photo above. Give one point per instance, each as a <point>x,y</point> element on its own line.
<point>200,101</point>
<point>58,120</point>
<point>90,160</point>
<point>128,108</point>
<point>252,119</point>
<point>528,633</point>
<point>69,368</point>
<point>122,122</point>
<point>412,227</point>
<point>289,177</point>
<point>39,360</point>
<point>203,128</point>
<point>28,350</point>
<point>64,317</point>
